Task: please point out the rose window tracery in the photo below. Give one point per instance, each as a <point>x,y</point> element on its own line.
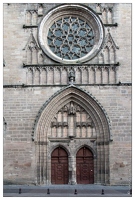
<point>70,38</point>
<point>71,34</point>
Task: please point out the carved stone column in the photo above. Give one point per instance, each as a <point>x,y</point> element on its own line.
<point>72,166</point>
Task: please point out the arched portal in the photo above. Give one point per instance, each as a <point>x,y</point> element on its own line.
<point>84,166</point>
<point>59,166</point>
<point>72,118</point>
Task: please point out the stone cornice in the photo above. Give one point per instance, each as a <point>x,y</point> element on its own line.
<point>60,85</point>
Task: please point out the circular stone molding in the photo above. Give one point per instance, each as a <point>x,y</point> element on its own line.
<point>71,34</point>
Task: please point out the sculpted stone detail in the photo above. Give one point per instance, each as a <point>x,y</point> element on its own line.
<point>40,9</point>
<point>108,53</point>
<point>31,17</point>
<point>109,42</point>
<point>107,12</point>
<point>61,75</point>
<point>109,49</point>
<point>73,88</point>
<point>31,50</point>
<point>71,109</point>
<point>71,76</point>
<point>72,118</point>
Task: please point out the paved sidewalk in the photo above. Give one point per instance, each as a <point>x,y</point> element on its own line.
<point>66,191</point>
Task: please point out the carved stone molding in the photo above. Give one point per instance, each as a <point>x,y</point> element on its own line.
<point>58,75</point>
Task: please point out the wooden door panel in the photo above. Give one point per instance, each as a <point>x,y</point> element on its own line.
<point>53,173</point>
<point>84,167</point>
<point>59,167</point>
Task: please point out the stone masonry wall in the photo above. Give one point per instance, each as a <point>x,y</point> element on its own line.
<point>16,38</point>
<point>20,111</point>
<point>21,104</point>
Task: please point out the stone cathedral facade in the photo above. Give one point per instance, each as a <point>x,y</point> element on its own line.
<point>67,93</point>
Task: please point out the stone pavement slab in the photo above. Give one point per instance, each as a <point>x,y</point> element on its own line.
<point>66,191</point>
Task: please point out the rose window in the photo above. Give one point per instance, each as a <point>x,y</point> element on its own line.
<point>71,34</point>
<point>70,38</point>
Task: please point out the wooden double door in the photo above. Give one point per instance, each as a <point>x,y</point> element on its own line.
<point>84,166</point>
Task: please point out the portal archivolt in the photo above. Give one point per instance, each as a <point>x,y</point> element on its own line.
<point>72,118</point>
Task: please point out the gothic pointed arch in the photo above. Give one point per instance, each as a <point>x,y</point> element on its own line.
<point>31,43</point>
<point>66,95</point>
<point>61,146</point>
<point>70,114</point>
<point>31,50</point>
<point>88,145</point>
<point>109,41</point>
